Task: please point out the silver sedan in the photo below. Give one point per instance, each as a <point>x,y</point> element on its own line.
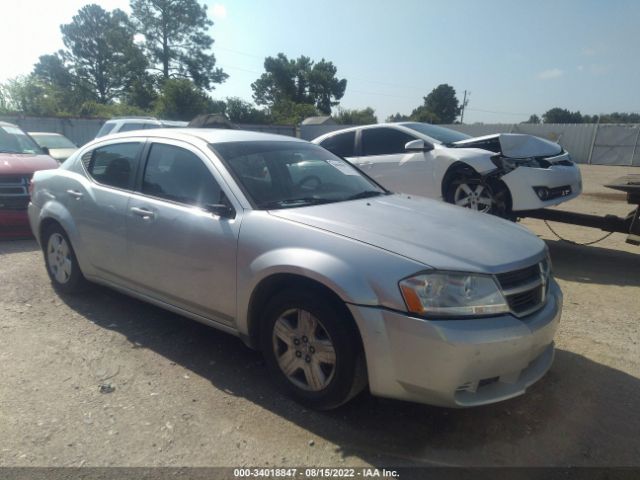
<point>339,282</point>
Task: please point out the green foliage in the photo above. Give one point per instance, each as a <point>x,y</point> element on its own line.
<point>300,81</point>
<point>443,103</point>
<point>397,117</point>
<point>534,119</point>
<point>181,99</point>
<point>101,110</point>
<point>364,116</point>
<point>286,112</point>
<point>241,111</point>
<point>176,39</point>
<point>142,92</point>
<point>424,114</point>
<point>31,96</point>
<point>101,53</point>
<point>561,115</point>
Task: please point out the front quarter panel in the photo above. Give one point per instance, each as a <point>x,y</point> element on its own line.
<point>357,272</point>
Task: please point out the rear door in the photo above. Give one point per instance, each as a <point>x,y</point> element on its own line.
<point>179,252</point>
<point>99,205</point>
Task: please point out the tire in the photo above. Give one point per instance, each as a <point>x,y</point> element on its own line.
<point>470,191</point>
<point>61,262</point>
<point>319,366</point>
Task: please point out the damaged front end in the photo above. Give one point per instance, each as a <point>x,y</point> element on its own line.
<point>538,173</point>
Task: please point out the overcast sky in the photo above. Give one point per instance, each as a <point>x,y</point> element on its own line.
<point>515,57</point>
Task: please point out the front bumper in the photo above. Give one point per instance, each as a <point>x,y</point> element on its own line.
<point>457,363</point>
<point>522,180</point>
<point>14,224</point>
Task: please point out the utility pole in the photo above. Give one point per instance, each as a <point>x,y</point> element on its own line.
<point>465,102</point>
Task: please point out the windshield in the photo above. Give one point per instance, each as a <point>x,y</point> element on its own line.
<point>443,135</point>
<point>14,140</point>
<point>293,174</point>
<point>52,141</point>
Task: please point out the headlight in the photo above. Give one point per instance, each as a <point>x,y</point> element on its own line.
<point>448,294</point>
<point>509,164</point>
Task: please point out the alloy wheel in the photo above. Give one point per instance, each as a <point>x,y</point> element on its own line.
<point>59,258</point>
<point>474,196</point>
<point>304,350</point>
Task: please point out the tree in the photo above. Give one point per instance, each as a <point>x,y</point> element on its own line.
<point>441,102</point>
<point>299,81</point>
<point>424,114</point>
<point>176,40</point>
<point>397,117</point>
<point>356,117</point>
<point>561,115</point>
<point>534,119</point>
<point>101,52</point>
<point>52,71</point>
<point>286,112</point>
<point>181,99</point>
<point>241,111</point>
<point>31,96</point>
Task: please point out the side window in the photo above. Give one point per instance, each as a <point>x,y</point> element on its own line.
<point>384,141</point>
<point>114,165</point>
<point>127,127</point>
<point>341,144</point>
<point>105,130</point>
<point>179,175</point>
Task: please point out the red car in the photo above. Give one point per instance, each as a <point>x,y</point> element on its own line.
<point>20,157</point>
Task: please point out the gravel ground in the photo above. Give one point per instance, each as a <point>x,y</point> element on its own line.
<point>184,394</point>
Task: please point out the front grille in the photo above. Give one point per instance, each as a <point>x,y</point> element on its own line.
<point>564,163</point>
<point>524,289</point>
<point>14,192</point>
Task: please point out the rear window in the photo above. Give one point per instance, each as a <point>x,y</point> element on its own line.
<point>105,130</point>
<point>114,165</point>
<point>341,144</point>
<point>127,127</point>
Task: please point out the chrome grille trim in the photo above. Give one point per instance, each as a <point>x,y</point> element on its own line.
<point>525,290</point>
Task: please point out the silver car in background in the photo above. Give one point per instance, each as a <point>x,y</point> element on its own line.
<point>337,281</point>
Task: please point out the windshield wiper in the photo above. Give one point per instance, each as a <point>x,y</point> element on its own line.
<point>294,202</point>
<point>365,194</point>
<point>2,150</point>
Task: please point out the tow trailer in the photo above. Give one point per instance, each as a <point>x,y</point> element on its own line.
<point>630,184</point>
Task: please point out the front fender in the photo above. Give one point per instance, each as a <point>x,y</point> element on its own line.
<point>332,272</point>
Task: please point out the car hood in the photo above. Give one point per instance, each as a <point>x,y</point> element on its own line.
<point>513,145</point>
<point>21,163</point>
<point>61,154</point>
<point>430,232</point>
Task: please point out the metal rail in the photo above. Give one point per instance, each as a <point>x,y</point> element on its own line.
<point>630,224</point>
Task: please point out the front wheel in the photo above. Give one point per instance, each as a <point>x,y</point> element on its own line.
<point>312,349</point>
<point>472,194</point>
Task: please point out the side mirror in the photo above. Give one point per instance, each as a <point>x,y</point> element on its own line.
<point>418,146</point>
<point>45,150</point>
<point>221,210</point>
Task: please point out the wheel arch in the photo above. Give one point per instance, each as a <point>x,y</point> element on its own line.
<point>277,282</point>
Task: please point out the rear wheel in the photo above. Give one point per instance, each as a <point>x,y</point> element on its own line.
<point>61,262</point>
<point>312,349</point>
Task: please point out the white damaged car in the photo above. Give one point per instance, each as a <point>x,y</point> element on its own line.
<point>502,174</point>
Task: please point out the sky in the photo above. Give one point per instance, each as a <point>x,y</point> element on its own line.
<point>515,57</point>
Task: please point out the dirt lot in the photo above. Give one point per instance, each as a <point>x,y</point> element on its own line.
<point>191,396</point>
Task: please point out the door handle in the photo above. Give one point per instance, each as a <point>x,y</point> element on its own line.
<point>75,194</point>
<point>143,212</point>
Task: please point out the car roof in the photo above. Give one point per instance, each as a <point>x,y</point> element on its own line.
<point>7,124</point>
<point>47,133</point>
<point>209,135</point>
<point>364,127</point>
